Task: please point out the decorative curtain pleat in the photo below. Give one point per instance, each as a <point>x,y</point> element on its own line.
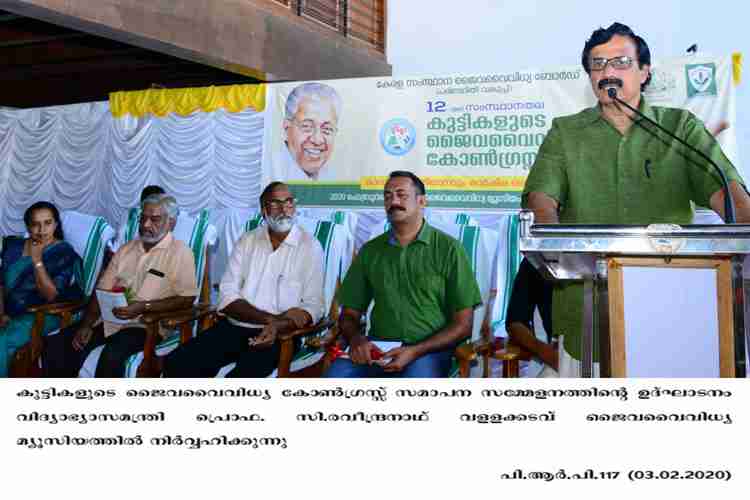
<point>737,68</point>
<point>81,157</point>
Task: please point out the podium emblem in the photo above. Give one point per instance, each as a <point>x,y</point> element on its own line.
<point>664,244</point>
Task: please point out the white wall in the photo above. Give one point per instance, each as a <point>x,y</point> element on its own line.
<point>449,36</point>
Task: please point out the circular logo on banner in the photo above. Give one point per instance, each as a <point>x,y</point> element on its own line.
<point>397,136</point>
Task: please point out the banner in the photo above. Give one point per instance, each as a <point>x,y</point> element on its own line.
<point>471,138</point>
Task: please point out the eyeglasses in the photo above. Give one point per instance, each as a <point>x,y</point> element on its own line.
<point>619,62</point>
<point>279,204</point>
<point>308,127</point>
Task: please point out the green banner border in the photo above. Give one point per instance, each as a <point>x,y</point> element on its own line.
<point>351,195</point>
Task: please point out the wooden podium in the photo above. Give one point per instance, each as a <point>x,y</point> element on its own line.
<point>597,256</point>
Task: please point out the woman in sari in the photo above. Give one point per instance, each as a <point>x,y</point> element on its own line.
<point>35,270</point>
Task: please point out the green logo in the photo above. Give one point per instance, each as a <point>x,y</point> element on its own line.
<point>701,79</point>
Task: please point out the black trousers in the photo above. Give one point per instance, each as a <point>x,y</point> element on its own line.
<point>204,355</point>
<point>60,359</point>
<point>530,291</point>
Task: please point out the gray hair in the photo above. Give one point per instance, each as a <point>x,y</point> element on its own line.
<point>165,201</point>
<point>316,92</point>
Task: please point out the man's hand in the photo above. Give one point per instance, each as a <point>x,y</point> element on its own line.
<point>741,202</point>
<point>299,317</point>
<point>399,357</point>
<point>359,350</point>
<point>82,337</point>
<point>266,338</point>
<point>131,311</point>
<point>718,128</point>
<point>544,207</point>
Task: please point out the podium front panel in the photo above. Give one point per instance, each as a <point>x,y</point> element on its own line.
<point>671,330</point>
<point>577,252</point>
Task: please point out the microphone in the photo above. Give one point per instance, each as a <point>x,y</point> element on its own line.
<point>728,203</point>
<point>610,82</point>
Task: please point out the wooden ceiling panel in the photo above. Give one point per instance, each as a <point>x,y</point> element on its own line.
<point>42,64</point>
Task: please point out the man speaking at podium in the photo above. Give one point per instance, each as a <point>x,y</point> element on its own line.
<point>607,165</point>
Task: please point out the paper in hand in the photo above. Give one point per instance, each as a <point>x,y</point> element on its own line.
<point>108,301</point>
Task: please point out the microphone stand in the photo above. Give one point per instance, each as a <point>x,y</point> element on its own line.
<point>729,212</point>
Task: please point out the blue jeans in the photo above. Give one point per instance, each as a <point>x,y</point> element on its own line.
<point>432,365</point>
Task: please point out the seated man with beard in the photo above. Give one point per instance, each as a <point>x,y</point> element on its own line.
<point>273,284</point>
<point>156,269</point>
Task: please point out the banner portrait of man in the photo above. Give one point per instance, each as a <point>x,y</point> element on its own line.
<point>310,126</point>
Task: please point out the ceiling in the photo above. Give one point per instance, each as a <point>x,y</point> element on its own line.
<point>42,64</point>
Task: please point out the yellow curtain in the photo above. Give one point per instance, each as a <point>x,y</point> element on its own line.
<point>160,102</point>
<point>737,67</point>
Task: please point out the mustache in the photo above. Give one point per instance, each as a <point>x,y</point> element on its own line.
<point>393,209</point>
<point>281,218</point>
<point>610,82</point>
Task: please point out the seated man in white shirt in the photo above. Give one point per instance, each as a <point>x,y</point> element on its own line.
<point>273,284</point>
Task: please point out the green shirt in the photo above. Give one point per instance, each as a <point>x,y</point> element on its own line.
<point>416,288</point>
<point>600,176</point>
